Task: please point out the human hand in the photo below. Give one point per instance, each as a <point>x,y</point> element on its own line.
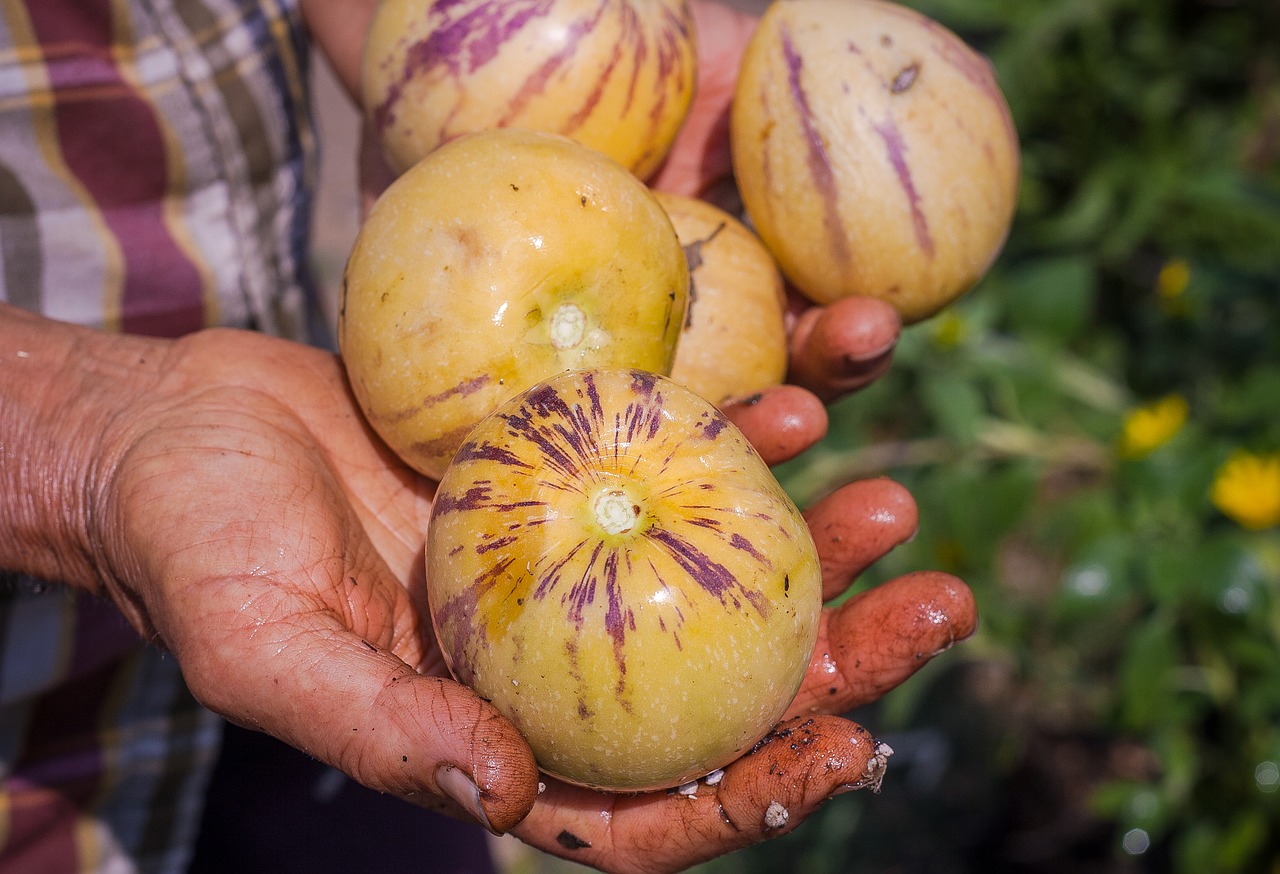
<point>245,517</point>
<point>225,492</point>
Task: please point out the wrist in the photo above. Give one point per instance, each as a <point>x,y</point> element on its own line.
<point>65,393</point>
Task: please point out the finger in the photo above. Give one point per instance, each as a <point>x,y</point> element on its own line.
<point>766,793</point>
<point>781,422</point>
<point>856,526</point>
<point>301,675</point>
<point>844,346</point>
<point>880,637</point>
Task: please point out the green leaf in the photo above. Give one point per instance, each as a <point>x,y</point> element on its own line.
<point>1196,848</point>
<point>1251,401</point>
<point>1168,573</point>
<point>1242,840</point>
<point>1052,297</point>
<point>955,404</point>
<point>1149,658</point>
<point>1228,576</point>
<point>1082,220</point>
<point>1098,577</point>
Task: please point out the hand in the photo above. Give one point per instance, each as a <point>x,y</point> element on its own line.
<point>246,518</point>
<point>250,522</point>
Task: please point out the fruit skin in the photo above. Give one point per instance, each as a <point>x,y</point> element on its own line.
<point>734,340</point>
<point>874,152</point>
<point>503,257</point>
<point>616,75</point>
<point>630,659</point>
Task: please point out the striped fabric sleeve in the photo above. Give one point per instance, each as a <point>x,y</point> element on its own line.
<point>105,755</point>
<point>156,163</point>
<point>156,168</point>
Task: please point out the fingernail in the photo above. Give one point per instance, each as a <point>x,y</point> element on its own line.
<point>750,400</point>
<point>455,783</point>
<point>860,365</point>
<point>874,772</point>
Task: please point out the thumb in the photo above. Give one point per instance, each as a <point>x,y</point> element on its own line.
<point>361,709</point>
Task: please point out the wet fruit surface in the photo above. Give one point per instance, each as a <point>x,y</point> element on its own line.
<point>615,75</point>
<point>874,152</point>
<point>734,339</point>
<point>611,564</point>
<point>502,258</point>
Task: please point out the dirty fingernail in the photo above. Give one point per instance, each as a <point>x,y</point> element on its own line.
<point>873,774</point>
<point>857,365</point>
<point>455,783</point>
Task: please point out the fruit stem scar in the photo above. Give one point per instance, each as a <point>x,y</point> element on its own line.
<point>568,326</point>
<point>615,512</point>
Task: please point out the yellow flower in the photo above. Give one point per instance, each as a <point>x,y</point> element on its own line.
<point>949,329</point>
<point>1174,278</point>
<point>1172,281</point>
<point>1152,425</point>
<point>1247,489</point>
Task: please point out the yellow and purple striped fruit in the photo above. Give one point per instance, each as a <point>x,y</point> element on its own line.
<point>874,152</point>
<point>500,259</point>
<point>734,340</point>
<point>616,569</point>
<point>616,75</point>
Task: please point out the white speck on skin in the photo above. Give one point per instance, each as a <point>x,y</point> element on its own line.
<point>714,778</point>
<point>876,766</point>
<point>776,816</point>
<point>688,789</point>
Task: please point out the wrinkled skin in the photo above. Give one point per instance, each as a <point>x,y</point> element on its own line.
<point>252,524</point>
<point>244,516</point>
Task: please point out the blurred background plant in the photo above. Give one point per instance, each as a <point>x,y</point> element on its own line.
<point>1093,436</point>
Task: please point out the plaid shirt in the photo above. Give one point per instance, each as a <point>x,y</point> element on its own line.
<point>156,163</point>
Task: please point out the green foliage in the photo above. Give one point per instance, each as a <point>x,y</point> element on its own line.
<point>1119,708</point>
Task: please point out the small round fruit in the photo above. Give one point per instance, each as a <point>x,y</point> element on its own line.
<point>616,75</point>
<point>503,257</point>
<point>614,567</point>
<point>874,152</point>
<point>734,341</point>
